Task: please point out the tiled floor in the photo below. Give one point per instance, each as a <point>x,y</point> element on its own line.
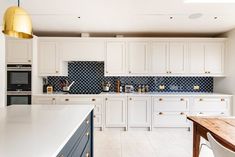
<point>158,143</point>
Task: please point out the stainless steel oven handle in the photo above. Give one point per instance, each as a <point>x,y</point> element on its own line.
<point>19,69</point>
<point>19,92</point>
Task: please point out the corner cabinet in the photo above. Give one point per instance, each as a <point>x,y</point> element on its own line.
<point>49,62</point>
<point>18,51</point>
<point>115,112</point>
<point>206,58</point>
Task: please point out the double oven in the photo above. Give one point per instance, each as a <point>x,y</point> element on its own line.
<point>19,84</point>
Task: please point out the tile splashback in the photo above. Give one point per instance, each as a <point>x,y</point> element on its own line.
<point>88,77</point>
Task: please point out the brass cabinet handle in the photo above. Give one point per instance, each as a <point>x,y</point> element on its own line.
<point>53,98</point>
<point>160,99</point>
<point>94,116</point>
<point>66,99</point>
<point>200,113</point>
<point>206,72</point>
<point>129,72</point>
<point>87,134</point>
<point>170,72</point>
<point>107,72</point>
<point>160,113</point>
<point>182,113</point>
<point>57,71</point>
<point>87,155</point>
<point>92,99</point>
<point>106,99</point>
<point>201,99</point>
<point>29,60</point>
<point>130,98</point>
<point>181,99</point>
<point>222,99</point>
<point>209,72</point>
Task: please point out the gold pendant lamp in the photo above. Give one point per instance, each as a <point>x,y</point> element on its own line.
<point>17,23</point>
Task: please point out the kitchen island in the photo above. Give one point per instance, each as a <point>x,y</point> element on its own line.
<point>46,131</point>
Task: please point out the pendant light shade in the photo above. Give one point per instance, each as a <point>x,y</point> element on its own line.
<point>17,23</point>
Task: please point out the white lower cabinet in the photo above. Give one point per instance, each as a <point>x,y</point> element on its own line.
<point>75,100</point>
<point>139,112</point>
<point>44,100</point>
<point>170,119</point>
<point>170,111</point>
<point>115,111</point>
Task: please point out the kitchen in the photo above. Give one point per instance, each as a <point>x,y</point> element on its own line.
<point>139,85</point>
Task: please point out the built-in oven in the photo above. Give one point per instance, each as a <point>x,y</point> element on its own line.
<point>18,77</point>
<point>18,98</point>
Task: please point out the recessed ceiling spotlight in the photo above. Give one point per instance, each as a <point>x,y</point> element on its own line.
<point>209,1</point>
<point>195,15</point>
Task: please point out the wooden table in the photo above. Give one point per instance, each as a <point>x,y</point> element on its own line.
<point>221,128</point>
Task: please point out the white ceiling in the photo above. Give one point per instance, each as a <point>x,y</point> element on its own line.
<point>132,16</point>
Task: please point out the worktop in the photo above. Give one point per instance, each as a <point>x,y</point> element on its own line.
<point>186,94</point>
<point>39,130</point>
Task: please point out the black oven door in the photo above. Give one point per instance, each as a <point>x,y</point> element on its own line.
<point>19,80</point>
<point>18,100</point>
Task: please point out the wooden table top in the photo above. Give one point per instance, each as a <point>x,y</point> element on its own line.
<point>220,127</point>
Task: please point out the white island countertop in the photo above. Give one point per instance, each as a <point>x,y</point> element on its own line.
<point>38,130</point>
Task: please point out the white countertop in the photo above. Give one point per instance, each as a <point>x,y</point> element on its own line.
<point>186,94</point>
<point>38,131</point>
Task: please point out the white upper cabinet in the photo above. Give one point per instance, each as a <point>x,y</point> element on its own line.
<point>138,54</point>
<point>82,49</point>
<point>49,62</point>
<point>18,51</point>
<point>115,62</point>
<point>206,58</point>
<point>159,57</point>
<point>177,58</point>
<point>214,58</point>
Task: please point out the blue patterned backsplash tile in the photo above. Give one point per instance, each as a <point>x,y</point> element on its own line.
<point>88,77</point>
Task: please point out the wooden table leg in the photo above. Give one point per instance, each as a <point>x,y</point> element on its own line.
<point>196,141</point>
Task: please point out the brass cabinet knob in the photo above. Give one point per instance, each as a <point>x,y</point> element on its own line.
<point>200,112</point>
<point>160,113</point>
<point>57,71</point>
<point>94,116</point>
<point>87,155</point>
<point>29,60</point>
<point>222,99</point>
<point>130,98</point>
<point>106,99</point>
<point>206,72</point>
<point>182,113</point>
<point>129,72</point>
<point>107,72</point>
<point>53,98</point>
<point>209,72</point>
<point>66,99</point>
<point>92,99</point>
<point>160,99</point>
<point>181,99</point>
<point>201,99</point>
<point>170,72</point>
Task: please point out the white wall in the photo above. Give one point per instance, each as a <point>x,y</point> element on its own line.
<point>2,70</point>
<point>227,84</point>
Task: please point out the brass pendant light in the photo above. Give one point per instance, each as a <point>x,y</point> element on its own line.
<point>17,23</point>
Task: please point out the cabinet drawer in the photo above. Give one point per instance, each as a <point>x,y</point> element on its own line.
<point>98,109</point>
<point>170,104</point>
<point>80,100</point>
<point>76,138</point>
<point>47,100</point>
<point>87,150</point>
<point>170,119</point>
<point>203,113</point>
<point>81,145</point>
<point>210,104</point>
<point>98,120</point>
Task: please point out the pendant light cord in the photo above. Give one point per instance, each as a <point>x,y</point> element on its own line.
<point>18,3</point>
